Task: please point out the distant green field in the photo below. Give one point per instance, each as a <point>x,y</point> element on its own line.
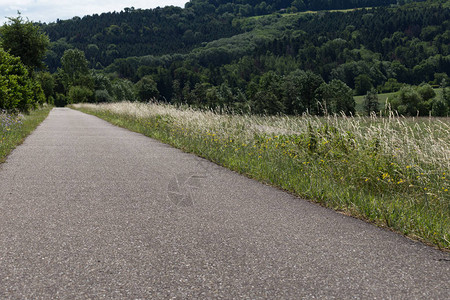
<point>311,12</point>
<point>381,100</point>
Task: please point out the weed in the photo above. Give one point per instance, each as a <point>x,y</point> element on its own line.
<point>15,127</point>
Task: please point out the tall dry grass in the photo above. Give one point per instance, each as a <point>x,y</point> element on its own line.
<point>391,170</point>
<point>420,143</point>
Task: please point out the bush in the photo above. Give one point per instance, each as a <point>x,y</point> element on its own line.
<point>409,100</point>
<point>38,94</point>
<point>336,97</point>
<point>426,92</point>
<point>124,90</point>
<point>51,100</point>
<point>103,96</point>
<point>47,83</point>
<point>17,90</point>
<point>147,89</point>
<point>392,85</point>
<point>79,94</point>
<point>371,102</point>
<point>440,108</point>
<point>60,100</point>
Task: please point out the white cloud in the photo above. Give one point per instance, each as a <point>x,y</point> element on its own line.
<point>50,10</point>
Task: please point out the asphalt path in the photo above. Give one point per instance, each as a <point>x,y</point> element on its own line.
<point>90,210</point>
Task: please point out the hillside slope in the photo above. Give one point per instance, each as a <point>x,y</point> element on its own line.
<point>138,32</point>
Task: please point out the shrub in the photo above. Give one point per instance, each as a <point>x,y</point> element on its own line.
<point>409,99</point>
<point>336,97</point>
<point>124,90</point>
<point>38,94</point>
<point>17,91</point>
<point>392,85</point>
<point>79,94</point>
<point>103,96</point>
<point>60,100</point>
<point>47,83</point>
<point>371,102</point>
<point>426,92</point>
<point>147,89</point>
<point>439,108</point>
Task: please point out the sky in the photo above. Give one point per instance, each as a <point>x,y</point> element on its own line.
<point>49,10</point>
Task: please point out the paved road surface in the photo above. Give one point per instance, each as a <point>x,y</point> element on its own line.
<point>89,210</point>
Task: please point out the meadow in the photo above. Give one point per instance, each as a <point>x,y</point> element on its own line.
<point>14,128</point>
<point>383,99</point>
<point>390,171</point>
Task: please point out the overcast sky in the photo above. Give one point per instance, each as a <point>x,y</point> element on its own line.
<point>50,10</point>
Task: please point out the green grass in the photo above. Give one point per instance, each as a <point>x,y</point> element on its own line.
<point>391,171</point>
<point>15,128</point>
<point>381,101</point>
<point>382,98</point>
<point>308,12</point>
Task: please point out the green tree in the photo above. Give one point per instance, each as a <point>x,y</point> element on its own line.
<point>267,99</point>
<point>363,84</point>
<point>26,41</point>
<point>103,96</point>
<point>439,109</point>
<point>74,69</point>
<point>309,83</point>
<point>147,89</point>
<point>408,101</point>
<point>426,92</point>
<point>47,82</point>
<point>17,90</point>
<point>123,90</point>
<point>291,95</point>
<point>299,4</point>
<point>445,93</point>
<point>391,85</point>
<point>79,94</point>
<point>198,93</point>
<point>371,102</point>
<point>177,95</point>
<point>336,97</point>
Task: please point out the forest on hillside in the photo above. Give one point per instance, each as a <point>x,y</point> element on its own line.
<point>292,57</point>
<point>167,30</point>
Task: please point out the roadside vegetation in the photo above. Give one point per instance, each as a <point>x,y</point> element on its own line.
<point>391,171</point>
<point>22,49</point>
<point>25,91</point>
<point>14,128</point>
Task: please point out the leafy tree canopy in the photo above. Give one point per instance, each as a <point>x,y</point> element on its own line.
<point>74,68</point>
<point>23,39</point>
<point>17,90</point>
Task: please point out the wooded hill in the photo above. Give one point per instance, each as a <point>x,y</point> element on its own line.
<point>282,59</point>
<point>138,32</point>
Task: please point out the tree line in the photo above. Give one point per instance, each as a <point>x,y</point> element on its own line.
<point>368,50</point>
<point>138,32</point>
<point>311,62</point>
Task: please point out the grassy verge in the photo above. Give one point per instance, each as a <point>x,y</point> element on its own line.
<point>389,171</point>
<point>381,101</point>
<point>15,128</point>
